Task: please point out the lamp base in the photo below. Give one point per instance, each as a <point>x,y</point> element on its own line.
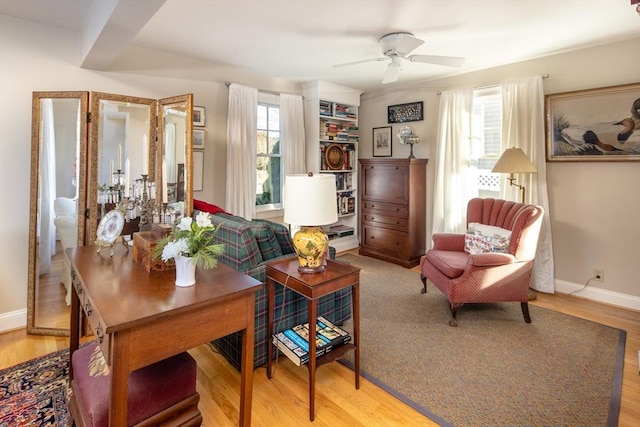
<point>311,244</point>
<point>311,270</point>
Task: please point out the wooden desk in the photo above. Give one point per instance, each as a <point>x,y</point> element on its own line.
<point>140,318</point>
<point>312,286</point>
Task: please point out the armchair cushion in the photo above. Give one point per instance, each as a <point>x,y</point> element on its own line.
<point>450,263</point>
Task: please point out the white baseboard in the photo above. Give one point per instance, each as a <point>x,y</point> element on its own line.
<point>598,294</point>
<point>13,320</point>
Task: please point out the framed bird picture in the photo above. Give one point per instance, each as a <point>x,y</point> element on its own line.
<point>594,125</point>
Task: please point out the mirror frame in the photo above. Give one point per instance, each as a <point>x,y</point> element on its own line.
<point>94,134</point>
<point>88,155</point>
<point>83,98</point>
<point>187,102</point>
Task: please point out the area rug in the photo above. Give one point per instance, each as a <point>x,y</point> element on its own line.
<point>34,393</point>
<point>493,369</point>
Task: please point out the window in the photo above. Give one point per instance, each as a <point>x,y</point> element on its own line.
<point>486,145</point>
<point>269,158</point>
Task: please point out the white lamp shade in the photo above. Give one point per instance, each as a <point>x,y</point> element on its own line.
<point>513,160</point>
<point>310,200</point>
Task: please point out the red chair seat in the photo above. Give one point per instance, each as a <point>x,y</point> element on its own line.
<point>152,389</point>
<point>449,263</point>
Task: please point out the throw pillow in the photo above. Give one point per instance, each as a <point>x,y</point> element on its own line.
<point>206,207</point>
<point>481,238</point>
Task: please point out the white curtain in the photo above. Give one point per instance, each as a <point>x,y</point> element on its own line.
<point>170,153</point>
<point>47,188</point>
<point>452,170</point>
<point>523,127</point>
<point>292,134</point>
<point>242,137</point>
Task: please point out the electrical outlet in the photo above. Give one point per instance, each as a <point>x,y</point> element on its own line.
<point>598,274</point>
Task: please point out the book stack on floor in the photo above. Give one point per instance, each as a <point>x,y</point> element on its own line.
<point>294,342</point>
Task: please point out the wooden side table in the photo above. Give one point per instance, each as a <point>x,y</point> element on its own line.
<point>312,286</point>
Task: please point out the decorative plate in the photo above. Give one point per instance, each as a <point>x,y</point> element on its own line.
<point>334,156</point>
<point>110,227</point>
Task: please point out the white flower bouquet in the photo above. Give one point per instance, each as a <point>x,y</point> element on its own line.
<point>194,239</point>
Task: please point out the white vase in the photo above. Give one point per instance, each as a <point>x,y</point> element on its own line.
<point>185,271</point>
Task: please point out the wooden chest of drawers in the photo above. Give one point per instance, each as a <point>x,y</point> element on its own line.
<point>393,209</point>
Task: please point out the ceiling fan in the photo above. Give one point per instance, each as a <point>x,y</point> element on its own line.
<point>396,47</point>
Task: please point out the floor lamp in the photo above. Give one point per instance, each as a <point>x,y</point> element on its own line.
<point>513,160</point>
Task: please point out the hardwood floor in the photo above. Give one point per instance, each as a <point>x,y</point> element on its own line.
<point>283,400</point>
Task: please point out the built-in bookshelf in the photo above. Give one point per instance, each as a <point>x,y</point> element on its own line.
<point>331,126</point>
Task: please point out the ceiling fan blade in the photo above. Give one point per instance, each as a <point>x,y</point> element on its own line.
<point>362,61</point>
<point>391,75</point>
<point>449,61</point>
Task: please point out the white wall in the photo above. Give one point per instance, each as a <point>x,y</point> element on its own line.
<point>595,207</point>
<point>40,58</point>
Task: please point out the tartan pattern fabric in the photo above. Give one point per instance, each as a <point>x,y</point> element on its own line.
<point>243,254</point>
<point>486,277</point>
<point>265,237</point>
<point>281,233</point>
<point>241,251</point>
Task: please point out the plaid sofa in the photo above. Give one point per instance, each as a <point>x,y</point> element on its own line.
<point>249,246</point>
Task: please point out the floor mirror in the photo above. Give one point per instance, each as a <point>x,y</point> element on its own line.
<point>89,151</point>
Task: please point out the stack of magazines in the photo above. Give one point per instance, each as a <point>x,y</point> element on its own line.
<point>294,342</point>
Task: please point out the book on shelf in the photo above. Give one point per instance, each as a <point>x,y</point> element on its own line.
<point>291,349</point>
<point>294,342</point>
<point>342,230</point>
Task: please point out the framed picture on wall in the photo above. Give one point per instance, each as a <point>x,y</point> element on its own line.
<point>402,113</point>
<point>198,116</point>
<point>382,142</point>
<point>198,170</point>
<point>601,125</point>
<point>198,139</point>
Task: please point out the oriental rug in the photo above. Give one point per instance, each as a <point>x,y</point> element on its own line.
<point>493,369</point>
<point>34,393</point>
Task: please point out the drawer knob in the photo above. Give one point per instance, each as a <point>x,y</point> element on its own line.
<point>372,218</point>
<point>88,309</point>
<point>397,222</point>
<point>397,243</point>
<point>373,237</point>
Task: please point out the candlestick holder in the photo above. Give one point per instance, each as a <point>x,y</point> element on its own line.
<point>164,218</point>
<point>118,185</point>
<point>145,223</point>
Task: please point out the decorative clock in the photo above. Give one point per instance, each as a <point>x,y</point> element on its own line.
<point>334,156</point>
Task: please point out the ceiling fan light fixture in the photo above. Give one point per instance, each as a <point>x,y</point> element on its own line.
<point>392,73</point>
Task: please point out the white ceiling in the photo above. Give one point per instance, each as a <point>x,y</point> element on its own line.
<point>301,40</point>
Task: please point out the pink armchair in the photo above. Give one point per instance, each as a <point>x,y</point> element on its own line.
<point>495,274</point>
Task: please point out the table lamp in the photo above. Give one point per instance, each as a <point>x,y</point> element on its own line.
<point>310,202</point>
<point>513,160</point>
